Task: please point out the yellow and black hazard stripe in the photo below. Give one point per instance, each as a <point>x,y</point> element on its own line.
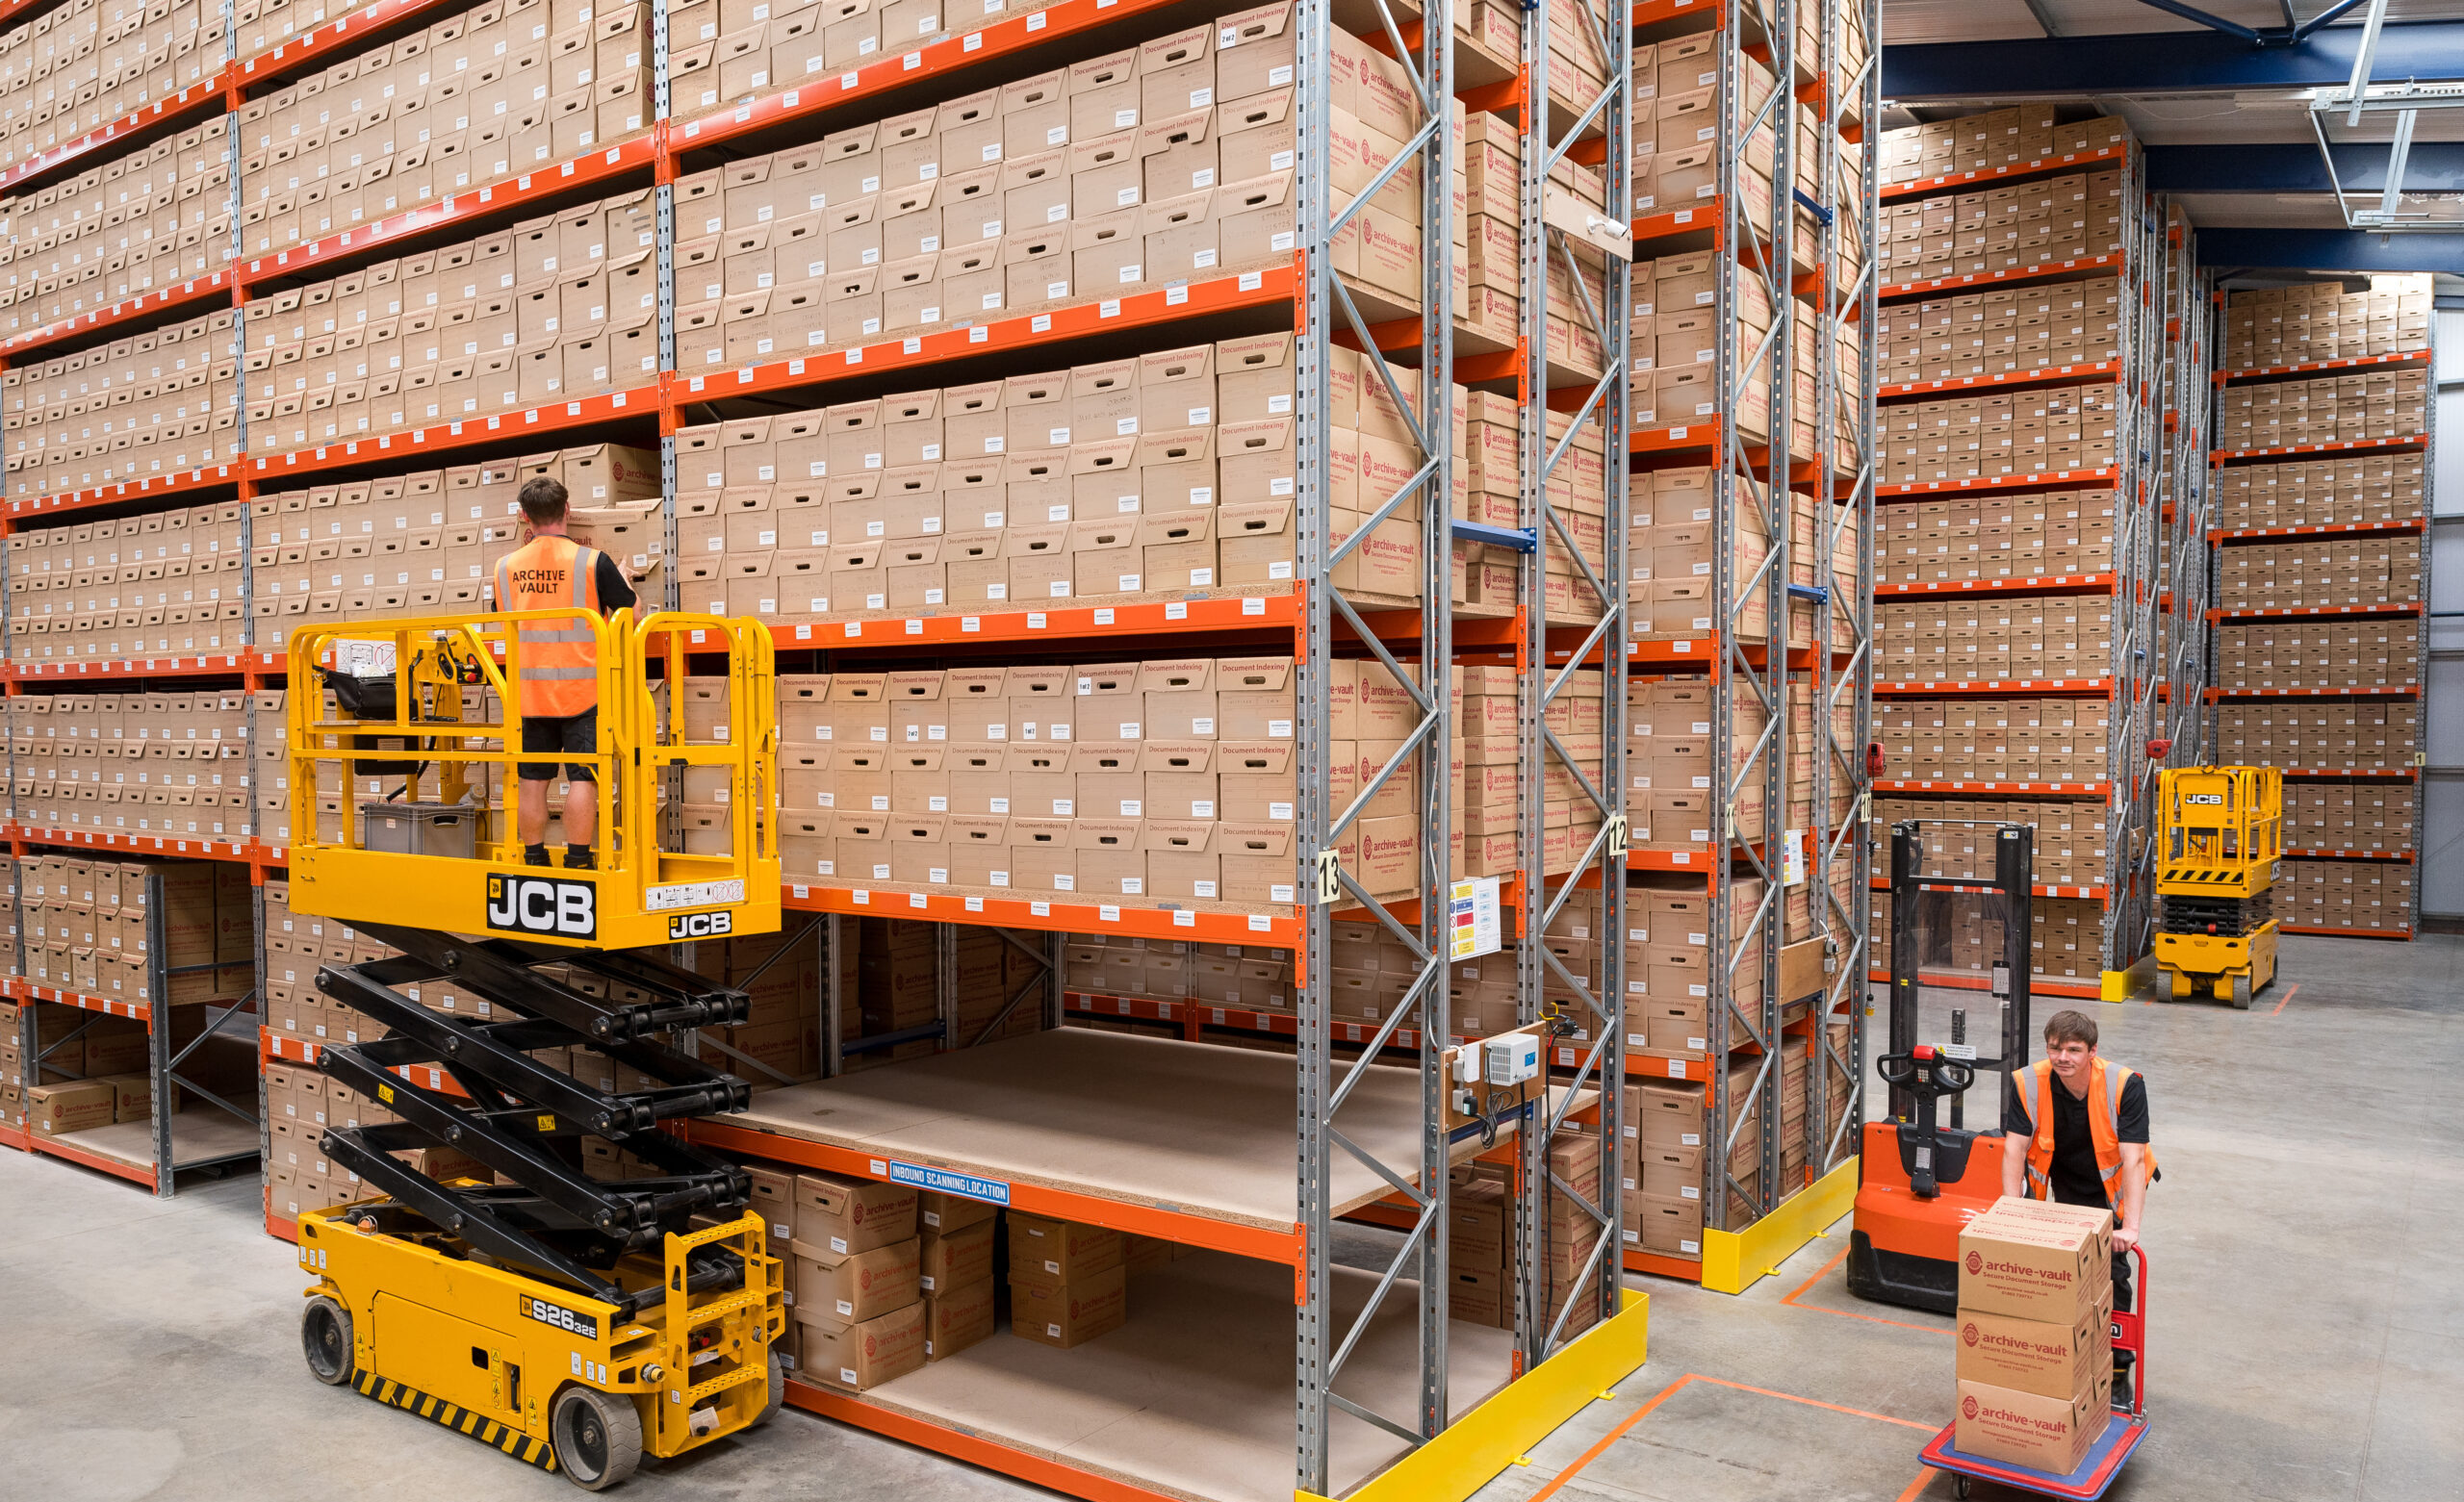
<point>461,1420</point>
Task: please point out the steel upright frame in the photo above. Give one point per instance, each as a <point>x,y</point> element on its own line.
<point>1327,311</point>
<point>1754,251</point>
<point>2188,582</point>
<point>2137,670</point>
<point>1852,206</point>
<point>1550,136</point>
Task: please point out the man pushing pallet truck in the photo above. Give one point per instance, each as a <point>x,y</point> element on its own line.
<point>573,1321</point>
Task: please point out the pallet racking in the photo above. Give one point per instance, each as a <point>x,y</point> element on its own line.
<point>169,1141</point>
<point>1786,439</point>
<point>1350,1134</point>
<point>2184,597</point>
<point>2337,771</point>
<point>2136,471</point>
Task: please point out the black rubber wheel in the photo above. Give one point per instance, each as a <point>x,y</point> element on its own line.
<point>597,1437</point>
<point>778,1389</point>
<point>326,1339</point>
<point>1963,1488</point>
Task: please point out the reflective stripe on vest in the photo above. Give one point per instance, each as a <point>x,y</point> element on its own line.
<point>559,668</point>
<point>2106,1082</point>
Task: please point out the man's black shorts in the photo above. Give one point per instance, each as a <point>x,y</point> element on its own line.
<point>574,733</point>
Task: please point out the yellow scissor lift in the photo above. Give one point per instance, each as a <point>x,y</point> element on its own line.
<point>2219,832</point>
<point>575,1322</point>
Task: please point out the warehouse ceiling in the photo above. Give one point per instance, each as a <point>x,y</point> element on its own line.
<point>2192,117</point>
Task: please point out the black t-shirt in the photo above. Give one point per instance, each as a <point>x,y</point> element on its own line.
<point>615,593</point>
<point>2074,1175</point>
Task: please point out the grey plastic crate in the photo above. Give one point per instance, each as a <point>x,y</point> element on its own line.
<point>420,828</point>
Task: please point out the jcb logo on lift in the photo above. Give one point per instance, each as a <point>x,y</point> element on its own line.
<point>542,905</point>
<point>701,925</point>
<point>585,1326</point>
<point>2204,798</point>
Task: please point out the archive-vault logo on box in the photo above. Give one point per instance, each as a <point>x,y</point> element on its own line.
<point>542,905</point>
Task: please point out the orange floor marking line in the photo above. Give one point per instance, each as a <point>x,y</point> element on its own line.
<point>1558,1481</point>
<point>1917,1487</point>
<point>1824,1308</point>
<point>2288,996</point>
<point>1903,1423</point>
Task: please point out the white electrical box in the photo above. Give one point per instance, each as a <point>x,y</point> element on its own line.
<point>1510,1058</point>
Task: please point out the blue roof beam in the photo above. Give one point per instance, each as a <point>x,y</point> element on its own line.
<point>2434,166</point>
<point>2165,63</point>
<point>2225,249</point>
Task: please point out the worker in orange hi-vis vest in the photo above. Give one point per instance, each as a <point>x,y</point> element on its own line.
<point>556,692</point>
<point>2081,1120</point>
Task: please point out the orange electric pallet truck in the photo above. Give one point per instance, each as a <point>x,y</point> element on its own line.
<point>1919,1182</point>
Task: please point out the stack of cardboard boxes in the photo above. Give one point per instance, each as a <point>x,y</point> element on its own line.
<point>2375,895</point>
<point>2372,487</point>
<point>132,763</point>
<point>1673,789</point>
<point>2321,571</point>
<point>2069,843</point>
<point>1166,473</point>
<point>1999,333</point>
<point>2275,326</point>
<point>2034,1320</point>
<point>116,231</point>
<point>136,408</point>
<point>80,67</point>
<point>1225,977</point>
<point>2010,136</point>
<point>779,1042</point>
<point>478,96</point>
<point>1163,781</point>
<point>2320,654</point>
<point>890,981</point>
<point>1994,740</point>
<point>428,543</point>
<point>1068,1281</point>
<point>1149,167</point>
<point>2002,639</point>
<point>1676,150</point>
<point>95,1071</point>
<point>2272,404</point>
<point>888,1277</point>
<point>1973,540</point>
<point>1663,1192</point>
<point>2349,816</point>
<point>1480,1239</point>
<point>2354,407</point>
<point>1969,438</point>
<point>2342,735</point>
<point>2040,222</point>
<point>539,313</point>
<point>87,924</point>
<point>167,583</point>
<point>855,1289</point>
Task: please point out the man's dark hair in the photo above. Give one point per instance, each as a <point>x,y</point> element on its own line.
<point>543,500</point>
<point>2069,1027</point>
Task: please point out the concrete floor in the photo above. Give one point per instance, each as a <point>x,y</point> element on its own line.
<point>2305,1323</point>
